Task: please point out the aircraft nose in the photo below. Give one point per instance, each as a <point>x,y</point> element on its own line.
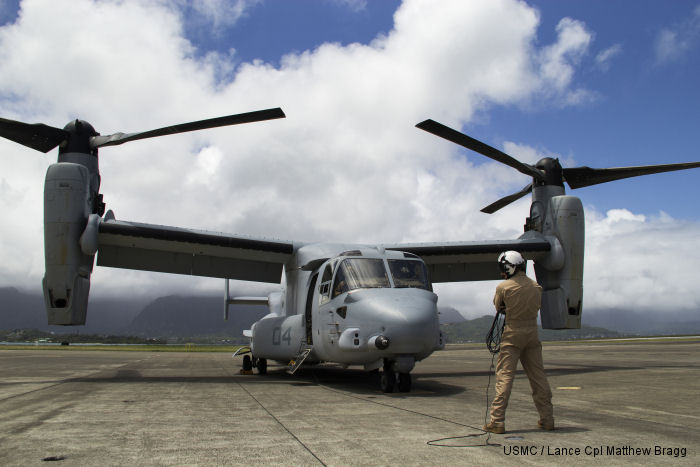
<point>408,317</point>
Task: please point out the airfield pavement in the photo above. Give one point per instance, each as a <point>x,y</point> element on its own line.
<point>619,403</point>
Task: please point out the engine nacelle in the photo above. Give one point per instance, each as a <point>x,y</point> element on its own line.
<point>561,274</point>
<point>67,206</point>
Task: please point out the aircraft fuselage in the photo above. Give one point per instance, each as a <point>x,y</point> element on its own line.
<point>360,306</point>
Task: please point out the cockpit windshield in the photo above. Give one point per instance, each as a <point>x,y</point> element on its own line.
<point>409,273</point>
<point>360,273</point>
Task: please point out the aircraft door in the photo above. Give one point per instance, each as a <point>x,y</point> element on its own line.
<point>307,312</point>
<point>324,324</point>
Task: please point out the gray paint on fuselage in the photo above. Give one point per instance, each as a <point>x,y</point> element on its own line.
<point>408,315</point>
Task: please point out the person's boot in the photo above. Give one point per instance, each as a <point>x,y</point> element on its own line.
<point>546,424</point>
<point>495,427</point>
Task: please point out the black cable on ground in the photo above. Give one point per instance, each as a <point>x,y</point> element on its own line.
<point>493,342</point>
<point>432,442</point>
<point>437,442</point>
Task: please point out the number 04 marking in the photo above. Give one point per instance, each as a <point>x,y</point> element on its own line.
<point>286,336</point>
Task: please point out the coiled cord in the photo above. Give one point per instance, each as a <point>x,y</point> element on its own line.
<point>493,343</point>
<point>493,338</point>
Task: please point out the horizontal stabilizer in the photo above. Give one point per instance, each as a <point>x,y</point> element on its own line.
<point>249,301</point>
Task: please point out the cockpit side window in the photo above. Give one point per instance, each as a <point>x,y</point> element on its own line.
<point>327,274</point>
<point>409,273</point>
<point>341,284</point>
<point>324,288</point>
<point>360,273</point>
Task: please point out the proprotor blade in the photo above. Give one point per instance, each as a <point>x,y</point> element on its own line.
<point>506,200</point>
<point>578,177</point>
<point>438,129</point>
<point>33,135</point>
<point>121,138</point>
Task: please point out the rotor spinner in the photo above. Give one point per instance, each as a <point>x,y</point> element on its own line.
<point>552,171</point>
<point>79,133</point>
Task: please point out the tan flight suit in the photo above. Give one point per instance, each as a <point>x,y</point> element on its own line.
<point>521,297</point>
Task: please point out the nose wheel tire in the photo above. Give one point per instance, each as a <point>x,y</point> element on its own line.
<point>261,363</point>
<point>387,381</point>
<point>404,382</point>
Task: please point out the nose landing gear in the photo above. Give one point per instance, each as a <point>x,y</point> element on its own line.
<point>404,382</point>
<point>388,379</point>
<point>391,378</point>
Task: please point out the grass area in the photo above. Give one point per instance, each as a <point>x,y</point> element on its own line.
<point>233,348</point>
<point>628,339</point>
<point>596,340</point>
<point>128,348</point>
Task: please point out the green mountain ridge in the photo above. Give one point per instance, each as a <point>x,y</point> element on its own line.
<point>189,317</point>
<point>475,330</point>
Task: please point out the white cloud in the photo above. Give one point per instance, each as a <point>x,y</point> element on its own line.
<point>353,5</point>
<point>558,61</point>
<point>675,42</point>
<point>640,263</point>
<point>346,164</point>
<point>525,153</point>
<point>206,169</point>
<point>633,262</point>
<point>604,57</point>
<point>217,14</point>
<point>667,47</point>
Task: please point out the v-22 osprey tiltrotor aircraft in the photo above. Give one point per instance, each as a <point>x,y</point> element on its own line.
<point>369,305</point>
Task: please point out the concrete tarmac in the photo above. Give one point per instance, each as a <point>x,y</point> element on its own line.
<point>624,403</point>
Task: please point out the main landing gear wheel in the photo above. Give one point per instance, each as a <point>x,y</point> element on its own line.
<point>388,378</point>
<point>247,363</point>
<point>261,363</point>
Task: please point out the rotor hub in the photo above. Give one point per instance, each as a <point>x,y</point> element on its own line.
<point>553,172</point>
<point>79,134</point>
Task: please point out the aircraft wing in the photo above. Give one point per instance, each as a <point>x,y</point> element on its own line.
<point>148,247</point>
<point>471,261</point>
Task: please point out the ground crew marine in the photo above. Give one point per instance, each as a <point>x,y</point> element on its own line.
<point>519,297</point>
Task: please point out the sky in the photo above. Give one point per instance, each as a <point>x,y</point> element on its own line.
<point>601,84</point>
